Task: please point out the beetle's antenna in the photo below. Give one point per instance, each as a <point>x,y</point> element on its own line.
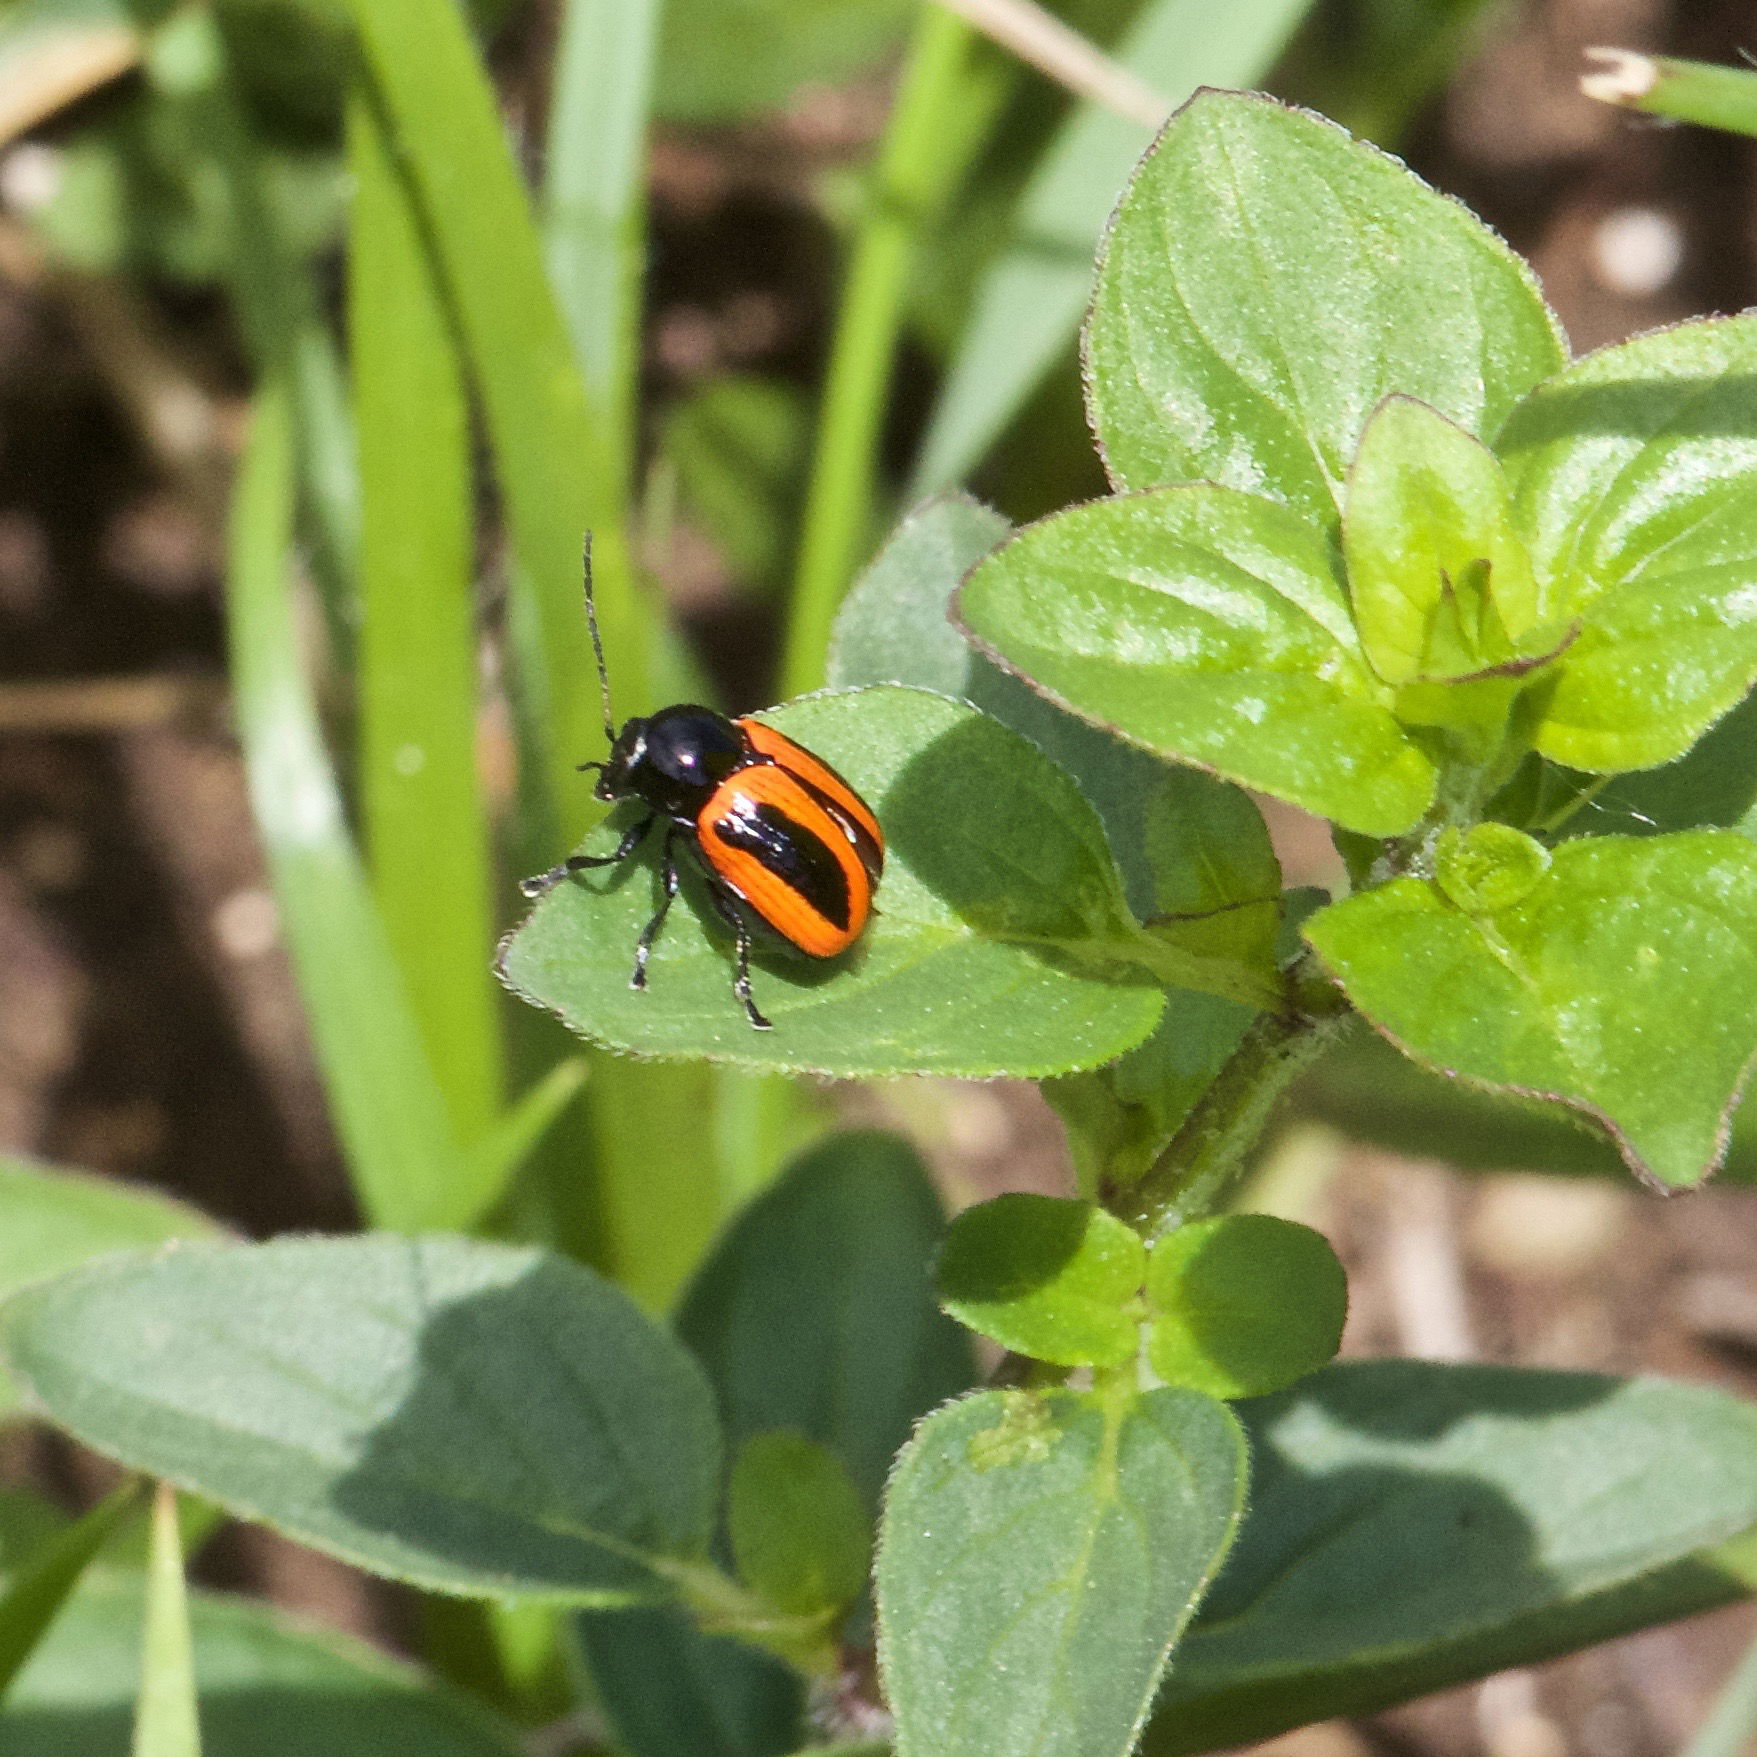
<point>598,645</point>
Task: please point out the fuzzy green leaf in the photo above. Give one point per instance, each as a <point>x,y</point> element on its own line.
<point>1045,1277</point>
<point>1635,476</point>
<point>1623,982</point>
<point>1213,628</point>
<point>993,948</point>
<point>1244,1304</point>
<point>1440,582</point>
<point>1268,281</point>
<point>1415,1525</point>
<point>470,1417</point>
<point>1041,1555</point>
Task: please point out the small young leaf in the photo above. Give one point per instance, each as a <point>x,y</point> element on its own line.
<point>1045,1277</point>
<point>1440,582</point>
<point>1267,282</point>
<point>1488,867</point>
<point>473,1418</point>
<point>1244,1304</point>
<point>1622,982</point>
<point>996,875</point>
<point>815,1310</point>
<point>1634,476</point>
<point>1415,1525</point>
<point>1211,627</point>
<point>799,1532</point>
<point>1041,1555</point>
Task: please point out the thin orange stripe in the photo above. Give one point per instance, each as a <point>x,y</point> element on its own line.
<point>781,749</point>
<point>769,895</point>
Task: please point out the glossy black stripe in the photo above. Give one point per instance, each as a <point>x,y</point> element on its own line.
<point>793,854</point>
<point>870,855</point>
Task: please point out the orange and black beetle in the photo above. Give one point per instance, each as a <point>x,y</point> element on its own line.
<point>775,830</point>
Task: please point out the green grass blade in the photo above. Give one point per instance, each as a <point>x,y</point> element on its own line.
<point>35,1596</point>
<point>1030,301</point>
<point>910,184</point>
<point>507,1145</point>
<point>425,825</point>
<point>274,292</point>
<point>556,469</point>
<point>1687,91</point>
<point>407,1169</point>
<point>166,1720</point>
<point>594,199</point>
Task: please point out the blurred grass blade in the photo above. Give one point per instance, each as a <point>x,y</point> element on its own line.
<point>425,823</point>
<point>555,465</point>
<point>36,1594</point>
<point>166,1721</point>
<point>594,200</point>
<point>506,1146</point>
<point>910,184</point>
<point>274,292</point>
<point>1687,91</point>
<point>407,1169</point>
<point>1030,301</point>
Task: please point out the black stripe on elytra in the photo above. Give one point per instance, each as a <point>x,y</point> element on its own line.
<point>870,855</point>
<point>793,854</point>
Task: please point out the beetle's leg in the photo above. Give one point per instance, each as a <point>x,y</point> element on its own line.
<point>741,977</point>
<point>644,945</point>
<point>545,882</point>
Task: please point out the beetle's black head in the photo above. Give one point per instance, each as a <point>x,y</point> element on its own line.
<point>673,760</point>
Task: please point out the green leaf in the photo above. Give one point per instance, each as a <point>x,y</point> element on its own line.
<point>1211,627</point>
<point>815,1311</point>
<point>53,1219</point>
<point>1244,1304</point>
<point>1031,298</point>
<point>1048,1278</point>
<point>1439,580</point>
<point>1041,1555</point>
<point>1687,91</point>
<point>1267,282</point>
<point>469,1417</point>
<point>268,1683</point>
<point>671,1691</point>
<point>1633,473</point>
<point>997,877</point>
<point>1624,983</point>
<point>799,1531</point>
<point>1488,867</point>
<point>33,1598</point>
<point>166,1721</point>
<point>1414,1525</point>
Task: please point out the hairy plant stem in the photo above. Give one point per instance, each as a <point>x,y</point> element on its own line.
<point>1189,1179</point>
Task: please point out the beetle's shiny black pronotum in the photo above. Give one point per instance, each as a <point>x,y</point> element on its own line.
<point>777,833</point>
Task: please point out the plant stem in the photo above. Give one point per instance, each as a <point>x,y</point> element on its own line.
<point>1189,1179</point>
<point>910,183</point>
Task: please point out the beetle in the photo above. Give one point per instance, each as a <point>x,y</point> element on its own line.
<point>779,836</point>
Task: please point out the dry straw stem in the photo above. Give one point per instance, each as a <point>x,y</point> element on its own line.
<point>1041,39</point>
